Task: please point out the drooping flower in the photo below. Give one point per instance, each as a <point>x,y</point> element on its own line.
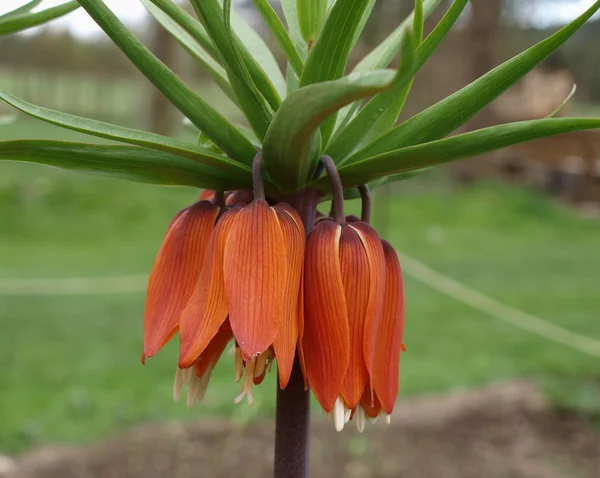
<point>175,272</point>
<point>251,275</point>
<point>353,318</point>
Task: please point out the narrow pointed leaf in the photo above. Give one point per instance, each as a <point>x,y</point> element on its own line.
<point>189,24</point>
<point>261,53</point>
<point>368,117</point>
<point>22,9</point>
<point>126,162</point>
<point>290,11</point>
<point>391,102</point>
<point>311,14</point>
<point>385,53</point>
<point>290,149</point>
<point>449,114</point>
<point>227,33</point>
<point>278,30</point>
<point>459,147</point>
<point>238,171</point>
<point>237,62</point>
<point>17,22</point>
<point>206,118</point>
<point>211,66</point>
<point>329,54</point>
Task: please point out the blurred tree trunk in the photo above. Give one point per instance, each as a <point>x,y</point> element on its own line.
<point>483,37</point>
<point>160,110</point>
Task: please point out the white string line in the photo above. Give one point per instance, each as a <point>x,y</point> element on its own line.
<point>497,309</point>
<point>410,265</point>
<point>74,286</point>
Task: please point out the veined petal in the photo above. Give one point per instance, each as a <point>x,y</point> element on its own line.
<point>212,353</point>
<point>207,307</point>
<point>236,198</point>
<point>207,194</point>
<point>356,277</point>
<point>326,342</point>
<point>255,270</point>
<point>391,330</point>
<point>175,272</point>
<point>371,406</point>
<point>372,243</point>
<point>287,338</point>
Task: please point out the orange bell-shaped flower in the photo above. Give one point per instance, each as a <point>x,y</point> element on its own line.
<point>252,274</point>
<point>175,272</point>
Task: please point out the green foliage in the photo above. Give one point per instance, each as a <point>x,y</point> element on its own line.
<point>22,19</point>
<point>295,120</point>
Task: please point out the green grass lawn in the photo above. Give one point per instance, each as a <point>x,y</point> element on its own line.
<point>69,365</point>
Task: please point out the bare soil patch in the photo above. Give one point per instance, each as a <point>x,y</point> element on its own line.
<point>505,431</point>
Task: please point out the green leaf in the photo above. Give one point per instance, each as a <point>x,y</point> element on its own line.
<point>22,9</point>
<point>385,52</point>
<point>381,57</point>
<point>206,118</point>
<point>292,147</point>
<point>16,23</point>
<point>311,14</point>
<point>391,102</point>
<point>458,147</point>
<point>290,11</point>
<point>280,33</point>
<point>126,162</point>
<point>212,67</point>
<point>226,166</point>
<point>449,114</point>
<point>347,139</point>
<point>189,24</point>
<point>329,55</point>
<point>235,57</point>
<point>564,103</point>
<point>265,63</point>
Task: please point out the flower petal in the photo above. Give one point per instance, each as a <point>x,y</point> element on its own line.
<point>287,338</point>
<point>326,342</point>
<point>371,406</point>
<point>356,277</point>
<point>207,194</point>
<point>207,307</point>
<point>374,249</point>
<point>175,272</point>
<point>391,330</point>
<point>212,353</point>
<point>254,270</point>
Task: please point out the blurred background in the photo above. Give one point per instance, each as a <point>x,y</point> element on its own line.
<point>485,392</point>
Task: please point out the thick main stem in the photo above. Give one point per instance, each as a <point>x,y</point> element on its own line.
<point>293,403</point>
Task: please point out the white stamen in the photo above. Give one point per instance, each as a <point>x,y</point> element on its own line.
<point>388,419</point>
<point>372,420</point>
<point>261,362</point>
<point>339,414</point>
<point>186,375</point>
<point>204,383</point>
<point>194,388</point>
<point>248,384</point>
<point>232,350</point>
<point>178,385</point>
<point>359,416</point>
<point>347,415</point>
<point>239,365</point>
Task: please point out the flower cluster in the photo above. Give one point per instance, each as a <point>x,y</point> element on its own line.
<point>237,267</point>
